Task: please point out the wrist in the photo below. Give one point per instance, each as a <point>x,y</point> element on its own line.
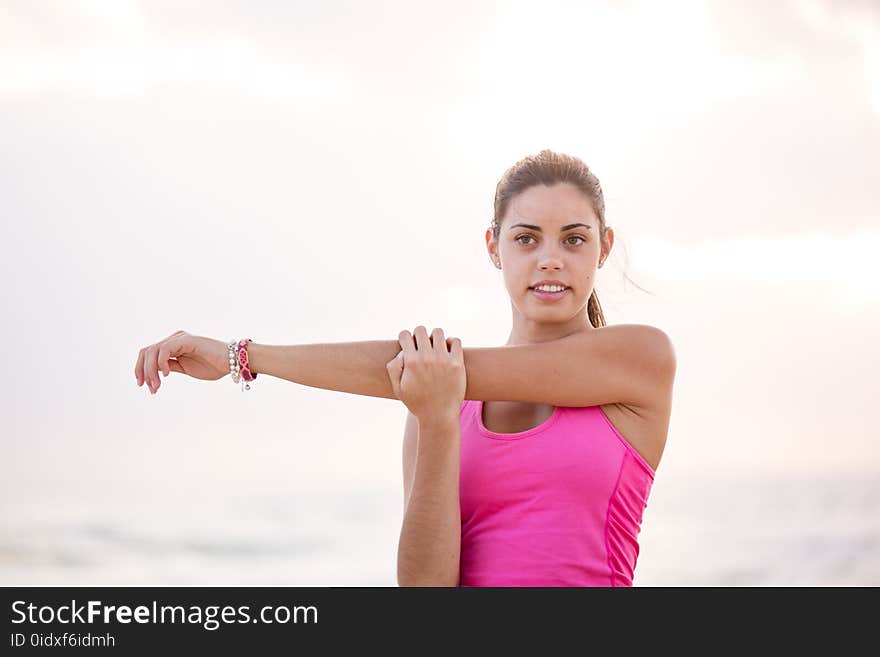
<point>256,357</point>
<point>440,419</point>
<point>439,441</point>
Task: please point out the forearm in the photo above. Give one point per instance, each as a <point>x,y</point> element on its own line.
<point>353,367</point>
<point>512,373</point>
<point>430,540</point>
<point>360,367</point>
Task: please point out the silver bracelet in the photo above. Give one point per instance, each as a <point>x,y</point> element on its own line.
<point>234,370</point>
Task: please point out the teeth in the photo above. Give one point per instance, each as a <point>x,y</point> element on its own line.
<point>550,288</point>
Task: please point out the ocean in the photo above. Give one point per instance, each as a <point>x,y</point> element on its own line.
<point>721,531</point>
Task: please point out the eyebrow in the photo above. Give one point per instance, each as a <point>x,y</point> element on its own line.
<point>564,228</point>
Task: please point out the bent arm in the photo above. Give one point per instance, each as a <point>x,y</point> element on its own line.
<point>429,550</point>
<point>620,363</point>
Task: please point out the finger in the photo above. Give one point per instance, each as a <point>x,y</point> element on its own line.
<point>162,357</point>
<point>407,343</point>
<point>423,343</point>
<point>150,373</point>
<point>438,341</point>
<point>396,362</point>
<point>455,349</point>
<point>139,367</point>
<point>395,371</point>
<point>175,334</point>
<point>167,349</point>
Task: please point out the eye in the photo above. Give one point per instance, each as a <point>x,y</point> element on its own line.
<point>519,239</point>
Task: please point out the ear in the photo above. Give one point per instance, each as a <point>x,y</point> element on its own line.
<point>607,244</point>
<point>491,245</point>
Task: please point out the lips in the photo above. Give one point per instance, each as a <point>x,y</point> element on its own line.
<point>550,281</point>
<point>549,296</point>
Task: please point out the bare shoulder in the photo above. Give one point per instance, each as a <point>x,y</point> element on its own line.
<point>647,341</point>
<point>637,363</point>
<point>645,425</point>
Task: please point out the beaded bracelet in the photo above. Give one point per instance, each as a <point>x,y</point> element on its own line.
<point>243,362</point>
<point>234,367</point>
<point>239,368</point>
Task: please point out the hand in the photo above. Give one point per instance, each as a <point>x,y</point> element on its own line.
<point>201,358</point>
<point>428,375</point>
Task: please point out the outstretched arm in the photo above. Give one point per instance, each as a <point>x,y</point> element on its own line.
<point>621,363</point>
<point>355,367</point>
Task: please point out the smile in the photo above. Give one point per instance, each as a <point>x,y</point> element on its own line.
<point>549,296</point>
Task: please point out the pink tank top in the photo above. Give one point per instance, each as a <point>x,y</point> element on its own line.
<point>557,505</point>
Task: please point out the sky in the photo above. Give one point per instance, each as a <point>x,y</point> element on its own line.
<point>315,172</point>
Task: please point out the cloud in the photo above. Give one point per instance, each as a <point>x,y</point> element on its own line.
<point>111,50</point>
<point>857,22</point>
<point>662,54</point>
<point>846,265</point>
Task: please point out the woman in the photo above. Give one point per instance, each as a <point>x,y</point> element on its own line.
<point>528,464</point>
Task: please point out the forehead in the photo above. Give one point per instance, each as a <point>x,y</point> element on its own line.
<point>550,206</point>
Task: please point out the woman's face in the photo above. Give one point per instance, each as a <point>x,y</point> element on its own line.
<point>550,234</point>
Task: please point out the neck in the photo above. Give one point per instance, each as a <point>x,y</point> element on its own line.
<point>527,331</point>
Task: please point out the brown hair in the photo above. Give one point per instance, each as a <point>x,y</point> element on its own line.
<point>549,168</point>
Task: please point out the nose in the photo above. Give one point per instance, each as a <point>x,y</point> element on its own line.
<point>549,261</point>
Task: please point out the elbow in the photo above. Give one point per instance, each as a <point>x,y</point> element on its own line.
<point>423,578</point>
<point>426,581</point>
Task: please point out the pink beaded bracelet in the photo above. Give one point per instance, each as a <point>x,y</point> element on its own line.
<point>239,367</point>
<point>244,366</point>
